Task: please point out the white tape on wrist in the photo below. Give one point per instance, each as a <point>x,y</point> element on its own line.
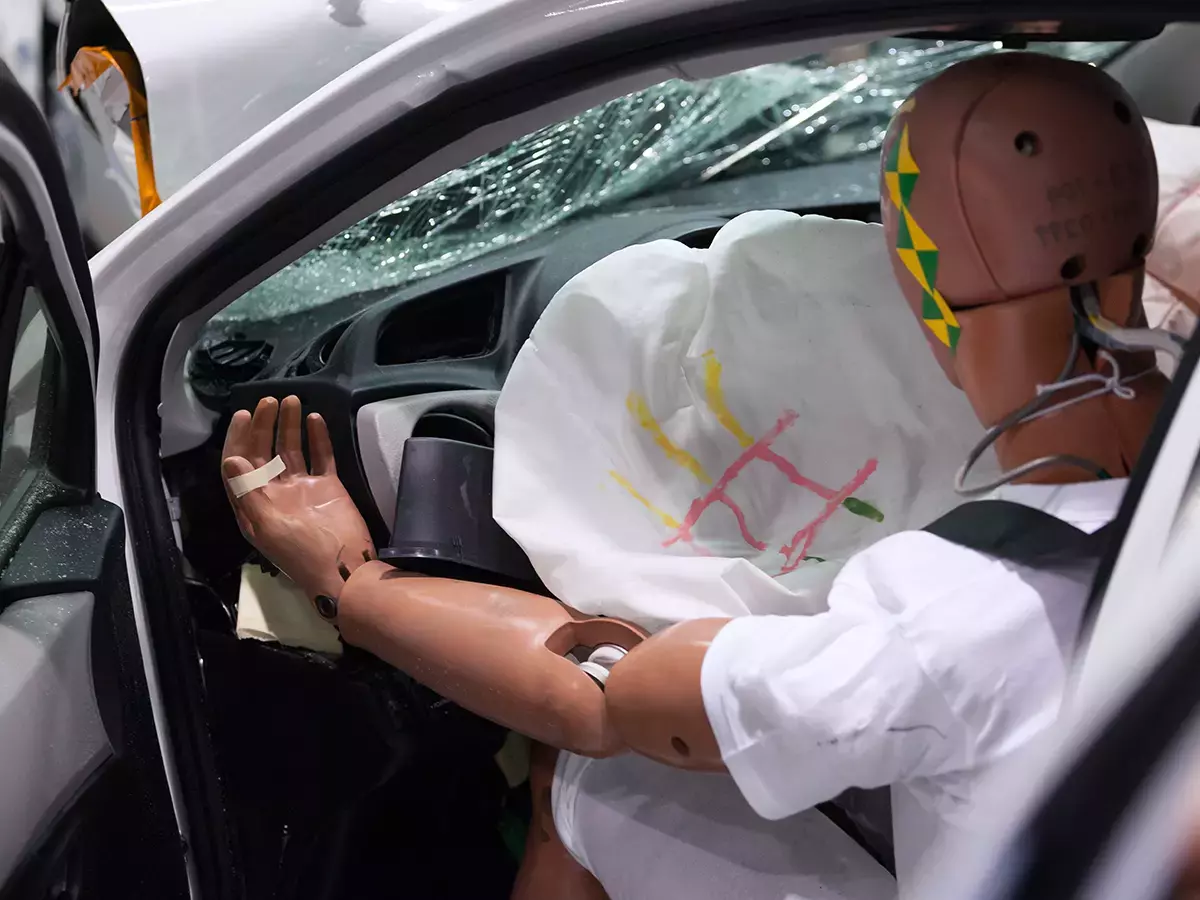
<point>251,481</point>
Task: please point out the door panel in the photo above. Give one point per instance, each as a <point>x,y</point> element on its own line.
<point>85,810</point>
<point>104,824</point>
<point>52,739</point>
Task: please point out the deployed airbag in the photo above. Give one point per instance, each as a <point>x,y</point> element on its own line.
<point>713,432</point>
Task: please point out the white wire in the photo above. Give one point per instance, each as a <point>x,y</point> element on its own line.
<point>1113,384</point>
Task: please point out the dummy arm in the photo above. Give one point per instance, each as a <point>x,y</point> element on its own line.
<point>498,652</point>
<point>502,654</point>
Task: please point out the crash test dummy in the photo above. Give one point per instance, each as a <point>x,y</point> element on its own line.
<point>1019,201</point>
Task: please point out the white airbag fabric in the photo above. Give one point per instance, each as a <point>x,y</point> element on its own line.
<point>693,433</point>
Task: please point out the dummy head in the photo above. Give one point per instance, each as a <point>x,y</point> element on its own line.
<point>1020,194</point>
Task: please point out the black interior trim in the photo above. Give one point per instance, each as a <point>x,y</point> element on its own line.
<point>12,284</point>
<point>370,164</point>
<point>38,489</point>
<point>460,321</point>
<point>25,120</point>
<point>33,489</point>
<point>1078,31</point>
<point>36,875</point>
<point>82,548</point>
<point>73,452</point>
<point>66,551</point>
<point>89,850</point>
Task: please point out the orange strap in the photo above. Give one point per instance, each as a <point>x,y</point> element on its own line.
<point>87,66</point>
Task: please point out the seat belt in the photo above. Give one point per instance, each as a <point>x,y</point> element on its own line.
<point>1009,531</point>
<point>1020,534</point>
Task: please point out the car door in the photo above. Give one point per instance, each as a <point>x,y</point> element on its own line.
<point>1117,812</point>
<point>1108,807</point>
<point>84,805</point>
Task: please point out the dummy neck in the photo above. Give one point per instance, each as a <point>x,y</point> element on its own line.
<point>1008,351</point>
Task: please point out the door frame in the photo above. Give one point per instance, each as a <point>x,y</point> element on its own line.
<point>54,263</point>
<point>58,538</point>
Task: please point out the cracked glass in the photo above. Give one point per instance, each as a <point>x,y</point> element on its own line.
<point>674,135</point>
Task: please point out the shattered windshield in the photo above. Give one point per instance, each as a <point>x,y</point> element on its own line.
<point>673,135</point>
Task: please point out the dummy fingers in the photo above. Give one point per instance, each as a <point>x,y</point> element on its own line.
<point>233,461</point>
<point>252,506</point>
<point>237,438</point>
<point>320,447</point>
<point>262,431</point>
<point>288,443</point>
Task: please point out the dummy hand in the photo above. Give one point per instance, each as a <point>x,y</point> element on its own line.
<point>305,523</point>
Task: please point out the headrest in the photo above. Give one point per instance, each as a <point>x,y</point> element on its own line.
<point>713,432</point>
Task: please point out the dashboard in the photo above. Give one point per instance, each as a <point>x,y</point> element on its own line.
<point>430,359</point>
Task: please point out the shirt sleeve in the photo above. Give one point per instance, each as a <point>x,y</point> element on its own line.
<point>804,707</point>
<point>932,660</point>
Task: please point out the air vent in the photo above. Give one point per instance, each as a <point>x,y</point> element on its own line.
<point>700,240</point>
<point>317,356</point>
<point>215,366</point>
<point>457,322</point>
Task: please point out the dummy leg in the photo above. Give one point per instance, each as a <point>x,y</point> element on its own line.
<point>548,871</point>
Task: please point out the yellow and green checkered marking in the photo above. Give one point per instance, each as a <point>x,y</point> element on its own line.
<point>918,252</point>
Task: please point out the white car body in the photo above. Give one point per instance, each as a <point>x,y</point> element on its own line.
<point>21,42</point>
<point>206,92</point>
<point>203,104</point>
<point>228,153</point>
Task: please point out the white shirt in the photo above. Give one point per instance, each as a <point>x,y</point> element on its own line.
<point>931,663</point>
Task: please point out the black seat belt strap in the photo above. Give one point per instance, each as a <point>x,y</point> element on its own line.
<point>1020,534</point>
